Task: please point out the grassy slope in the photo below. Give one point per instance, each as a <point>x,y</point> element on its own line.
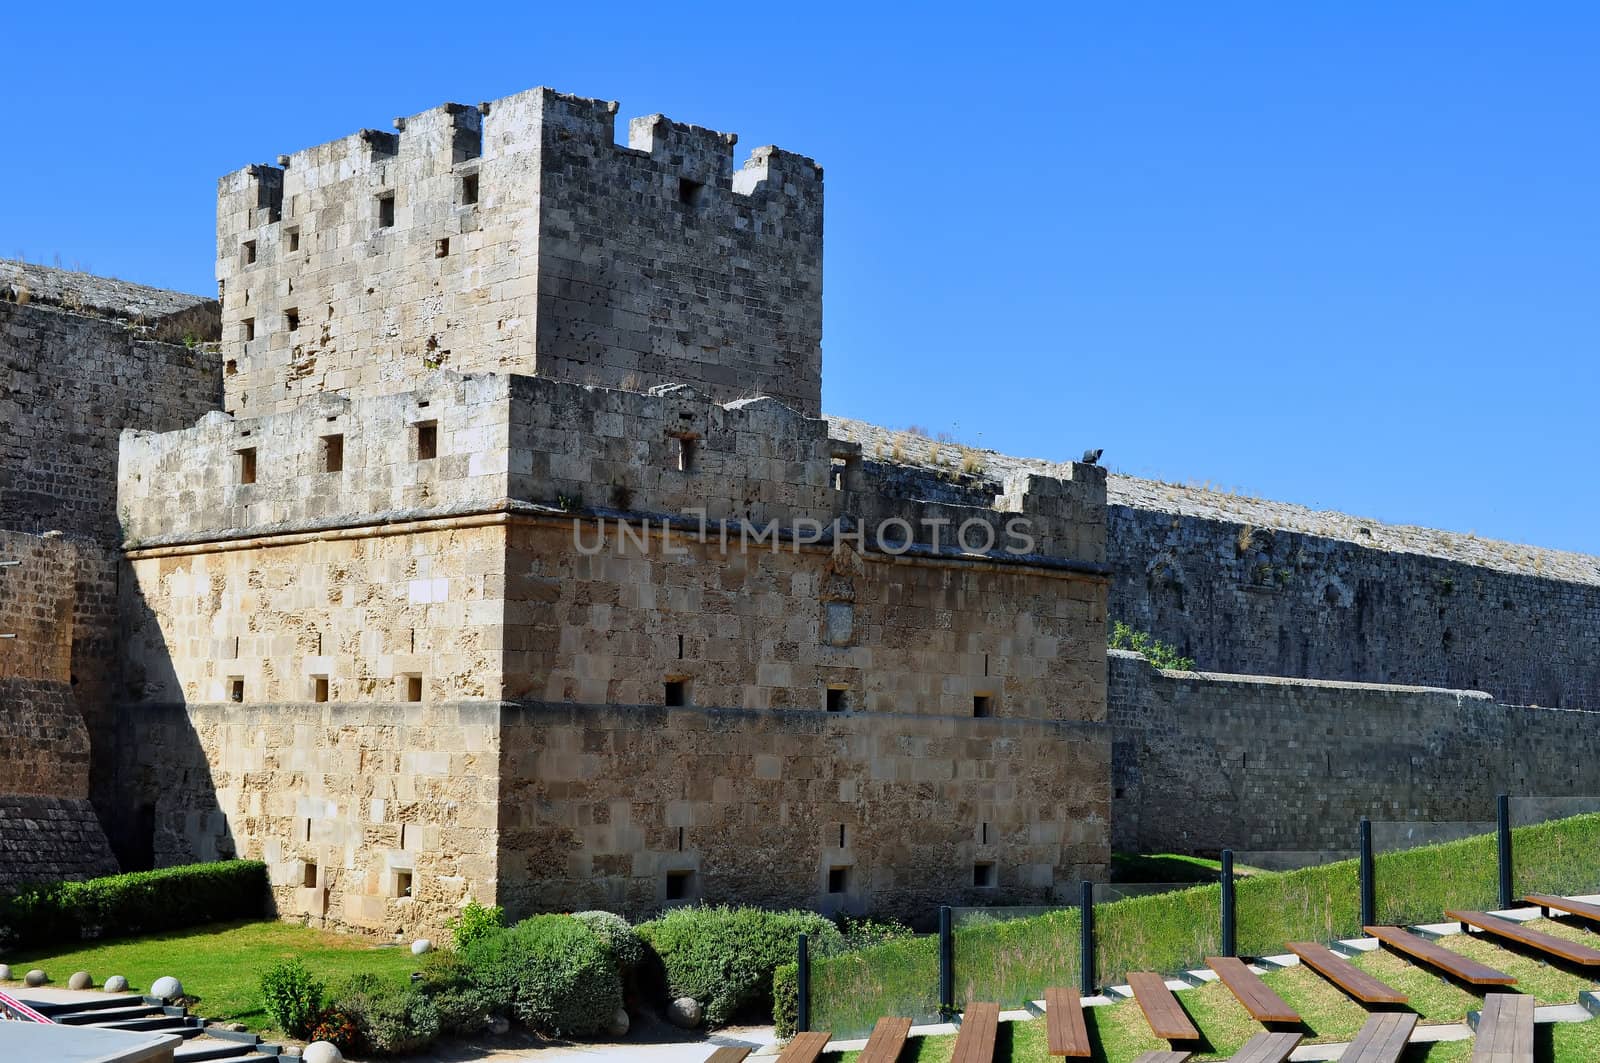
<point>1170,867</point>
<point>221,964</point>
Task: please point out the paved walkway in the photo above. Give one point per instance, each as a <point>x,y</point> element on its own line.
<point>503,1049</point>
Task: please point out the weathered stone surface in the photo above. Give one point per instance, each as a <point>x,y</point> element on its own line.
<point>116,984</point>
<point>35,977</point>
<point>5,972</point>
<point>166,988</point>
<point>80,980</point>
<point>619,1023</point>
<point>321,1052</point>
<point>685,1012</point>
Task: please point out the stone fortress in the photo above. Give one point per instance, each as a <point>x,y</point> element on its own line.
<point>435,579</point>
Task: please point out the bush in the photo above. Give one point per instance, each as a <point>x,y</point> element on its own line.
<point>619,935</point>
<point>863,933</point>
<point>292,997</point>
<point>725,957</point>
<point>554,973</point>
<point>393,1019</point>
<point>476,921</point>
<point>1158,653</point>
<point>141,902</point>
<point>338,1029</point>
<point>464,1007</point>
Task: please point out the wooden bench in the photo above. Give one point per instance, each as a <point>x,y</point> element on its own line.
<point>804,1048</point>
<point>1344,974</point>
<point>1262,1003</point>
<point>1161,1009</point>
<point>1065,1031</point>
<point>1505,1029</point>
<point>1452,963</point>
<point>729,1054</point>
<point>888,1038</point>
<point>1162,1055</point>
<point>1548,902</point>
<point>1267,1048</point>
<point>1382,1039</point>
<point>979,1025</point>
<point>1560,948</point>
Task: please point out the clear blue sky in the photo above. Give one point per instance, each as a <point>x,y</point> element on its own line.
<point>1347,256</point>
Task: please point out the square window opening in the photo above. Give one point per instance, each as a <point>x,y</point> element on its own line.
<point>402,883</point>
<point>838,880</point>
<point>236,688</point>
<point>291,319</point>
<point>294,239</point>
<point>837,699</point>
<point>232,368</point>
<point>249,252</point>
<point>982,705</point>
<point>308,875</point>
<point>333,453</point>
<point>469,189</point>
<point>247,465</point>
<point>984,874</point>
<point>441,247</point>
<point>689,191</point>
<point>427,440</point>
<point>680,885</point>
<point>319,688</point>
<point>248,328</point>
<point>386,211</point>
<point>676,693</point>
<point>413,688</point>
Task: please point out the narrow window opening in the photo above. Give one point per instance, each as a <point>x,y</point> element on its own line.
<point>319,688</point>
<point>308,828</point>
<point>247,465</point>
<point>249,252</point>
<point>685,454</point>
<point>838,879</point>
<point>291,319</point>
<point>680,885</point>
<point>469,189</point>
<point>838,474</point>
<point>427,440</point>
<point>680,839</point>
<point>680,647</point>
<point>983,833</point>
<point>841,836</point>
<point>248,327</point>
<point>689,191</point>
<point>983,874</point>
<point>413,688</point>
<point>441,247</point>
<point>986,666</point>
<point>386,211</point>
<point>333,453</point>
<point>676,692</point>
<point>836,699</point>
<point>308,874</point>
<point>982,705</point>
<point>236,689</point>
<point>294,239</point>
<point>402,883</point>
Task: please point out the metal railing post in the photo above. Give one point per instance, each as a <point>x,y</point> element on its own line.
<point>1369,893</point>
<point>803,988</point>
<point>1086,977</point>
<point>1229,939</point>
<point>947,974</point>
<point>1503,814</point>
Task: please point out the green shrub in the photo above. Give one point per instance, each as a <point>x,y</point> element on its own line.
<point>725,957</point>
<point>140,902</point>
<point>1158,653</point>
<point>464,1007</point>
<point>338,1029</point>
<point>476,921</point>
<point>292,997</point>
<point>786,1000</point>
<point>863,933</point>
<point>393,1019</point>
<point>619,935</point>
<point>553,973</point>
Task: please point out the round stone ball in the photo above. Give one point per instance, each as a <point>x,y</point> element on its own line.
<point>321,1052</point>
<point>116,984</point>
<point>420,946</point>
<point>499,1025</point>
<point>685,1012</point>
<point>619,1023</point>
<point>5,972</point>
<point>166,988</point>
<point>80,980</point>
<point>35,977</point>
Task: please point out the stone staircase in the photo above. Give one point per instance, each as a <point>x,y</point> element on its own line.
<point>129,1011</point>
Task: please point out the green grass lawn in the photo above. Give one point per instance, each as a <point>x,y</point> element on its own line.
<point>1170,867</point>
<point>221,963</point>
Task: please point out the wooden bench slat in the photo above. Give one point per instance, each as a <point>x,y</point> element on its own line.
<point>888,1038</point>
<point>1505,1029</point>
<point>1267,1048</point>
<point>1066,1030</point>
<point>980,1023</point>
<point>1258,999</point>
<point>728,1054</point>
<point>1162,1055</point>
<point>804,1047</point>
<point>1344,974</point>
<point>1462,967</point>
<point>1161,1009</point>
<point>1561,948</point>
<point>1382,1039</point>
<point>1549,901</point>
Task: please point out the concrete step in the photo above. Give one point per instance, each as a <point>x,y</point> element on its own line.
<point>206,1048</point>
<point>88,1003</point>
<point>163,1023</point>
<point>99,1016</point>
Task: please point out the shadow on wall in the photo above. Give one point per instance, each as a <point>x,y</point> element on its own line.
<point>160,808</point>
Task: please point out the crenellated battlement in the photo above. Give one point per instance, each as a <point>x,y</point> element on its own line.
<point>519,236</point>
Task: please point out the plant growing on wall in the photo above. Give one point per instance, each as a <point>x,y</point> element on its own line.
<point>1158,653</point>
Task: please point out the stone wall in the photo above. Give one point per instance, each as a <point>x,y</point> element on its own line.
<point>517,236</point>
<point>887,812</point>
<point>1204,761</point>
<point>1261,600</point>
<point>374,818</point>
<point>69,384</point>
